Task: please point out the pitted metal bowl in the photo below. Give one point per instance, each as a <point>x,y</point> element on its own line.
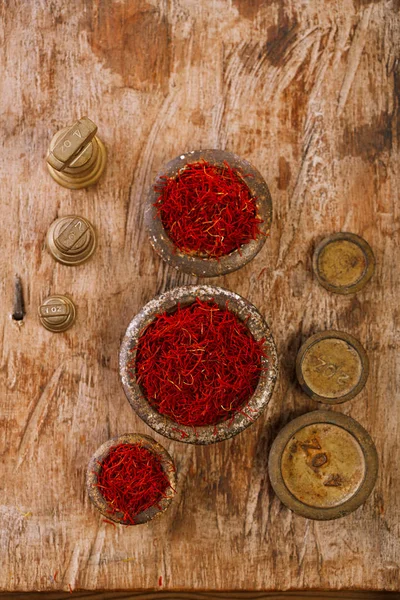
<point>194,263</point>
<point>258,329</point>
<point>94,468</point>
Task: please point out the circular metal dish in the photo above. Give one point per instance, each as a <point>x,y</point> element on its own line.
<point>256,326</point>
<point>343,263</point>
<point>94,468</point>
<point>196,264</point>
<point>332,367</point>
<point>323,465</point>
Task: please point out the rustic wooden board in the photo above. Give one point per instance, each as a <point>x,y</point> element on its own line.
<point>320,595</point>
<point>307,92</point>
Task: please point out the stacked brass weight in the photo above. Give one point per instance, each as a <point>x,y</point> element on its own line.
<point>76,157</point>
<point>57,313</point>
<point>71,240</point>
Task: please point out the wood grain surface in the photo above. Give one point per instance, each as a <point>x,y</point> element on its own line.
<point>308,93</point>
<point>199,595</point>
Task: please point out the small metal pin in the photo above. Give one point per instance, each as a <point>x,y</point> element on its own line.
<point>19,307</point>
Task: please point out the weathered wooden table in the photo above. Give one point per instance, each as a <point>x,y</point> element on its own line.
<point>307,92</point>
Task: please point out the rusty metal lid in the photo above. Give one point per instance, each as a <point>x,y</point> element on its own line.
<point>57,313</point>
<point>332,367</point>
<point>343,263</point>
<point>323,465</point>
<point>71,240</point>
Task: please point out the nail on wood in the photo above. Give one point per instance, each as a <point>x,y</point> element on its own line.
<point>19,308</point>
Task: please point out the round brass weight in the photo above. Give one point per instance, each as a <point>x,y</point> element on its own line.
<point>332,367</point>
<point>343,263</point>
<point>57,313</point>
<point>76,157</point>
<point>323,465</point>
<point>71,240</point>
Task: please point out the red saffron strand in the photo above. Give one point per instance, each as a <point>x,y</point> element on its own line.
<point>207,209</point>
<point>131,480</point>
<point>198,365</point>
<point>109,522</point>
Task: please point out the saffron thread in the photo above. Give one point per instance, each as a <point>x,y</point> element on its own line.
<point>131,480</point>
<point>208,209</point>
<point>198,365</point>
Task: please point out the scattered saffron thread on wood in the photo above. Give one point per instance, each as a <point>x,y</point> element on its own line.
<point>261,272</point>
<point>160,581</point>
<point>208,209</point>
<point>109,522</point>
<point>55,576</point>
<point>198,365</point>
<point>70,588</point>
<point>184,435</point>
<point>131,480</point>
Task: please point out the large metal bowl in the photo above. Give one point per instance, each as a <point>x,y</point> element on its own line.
<point>258,329</point>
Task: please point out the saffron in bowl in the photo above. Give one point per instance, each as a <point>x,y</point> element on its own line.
<point>198,365</point>
<point>208,209</point>
<point>131,479</point>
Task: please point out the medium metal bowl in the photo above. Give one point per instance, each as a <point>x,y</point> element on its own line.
<point>168,302</point>
<point>94,468</point>
<point>200,265</point>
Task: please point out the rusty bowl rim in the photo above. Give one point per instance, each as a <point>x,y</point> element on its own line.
<point>93,470</point>
<point>349,339</point>
<point>257,327</point>
<point>366,444</point>
<point>194,264</point>
<point>366,250</point>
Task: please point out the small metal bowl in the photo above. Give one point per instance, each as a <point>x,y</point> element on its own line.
<point>168,302</point>
<point>196,264</point>
<point>94,468</point>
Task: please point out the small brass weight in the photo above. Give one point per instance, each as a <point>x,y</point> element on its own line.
<point>76,157</point>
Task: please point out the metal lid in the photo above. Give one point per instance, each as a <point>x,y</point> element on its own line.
<point>57,313</point>
<point>343,263</point>
<point>323,465</point>
<point>332,367</point>
<point>71,240</point>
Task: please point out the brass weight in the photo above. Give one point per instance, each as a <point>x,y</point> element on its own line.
<point>76,157</point>
<point>71,240</point>
<point>332,367</point>
<point>57,313</point>
<point>343,263</point>
<point>323,465</point>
